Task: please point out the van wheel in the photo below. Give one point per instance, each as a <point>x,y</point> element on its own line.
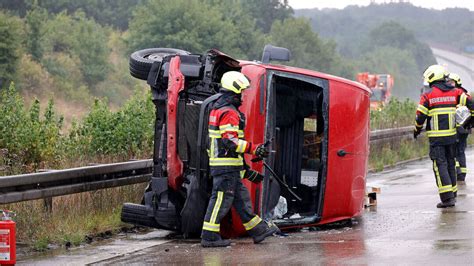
<point>141,61</point>
<point>137,214</point>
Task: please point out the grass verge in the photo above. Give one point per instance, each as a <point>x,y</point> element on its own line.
<point>388,154</point>
<point>74,218</point>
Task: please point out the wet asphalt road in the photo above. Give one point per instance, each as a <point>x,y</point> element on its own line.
<point>404,228</point>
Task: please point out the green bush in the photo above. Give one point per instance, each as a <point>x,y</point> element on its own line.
<point>388,154</point>
<point>12,118</point>
<point>126,133</point>
<point>31,139</point>
<point>24,135</point>
<point>395,114</point>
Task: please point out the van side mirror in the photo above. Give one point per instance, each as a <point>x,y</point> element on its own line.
<point>271,52</point>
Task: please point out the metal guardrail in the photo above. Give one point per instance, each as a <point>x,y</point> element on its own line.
<point>54,183</point>
<point>390,133</point>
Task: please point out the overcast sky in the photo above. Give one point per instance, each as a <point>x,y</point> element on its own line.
<point>436,4</point>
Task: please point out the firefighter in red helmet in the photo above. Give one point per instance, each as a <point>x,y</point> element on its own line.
<point>226,148</point>
<point>438,107</point>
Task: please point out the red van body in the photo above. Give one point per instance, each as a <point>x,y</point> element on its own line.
<point>318,125</point>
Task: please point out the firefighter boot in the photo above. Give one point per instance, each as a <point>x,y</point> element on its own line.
<point>262,231</point>
<point>446,204</point>
<point>213,239</point>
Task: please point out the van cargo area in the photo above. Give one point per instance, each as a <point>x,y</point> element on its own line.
<point>297,124</point>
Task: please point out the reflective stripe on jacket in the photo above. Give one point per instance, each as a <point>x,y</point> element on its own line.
<point>226,139</point>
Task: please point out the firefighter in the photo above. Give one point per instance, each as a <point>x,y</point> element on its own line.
<point>226,148</point>
<point>463,132</point>
<point>438,107</point>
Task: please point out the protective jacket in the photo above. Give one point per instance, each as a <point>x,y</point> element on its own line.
<point>467,128</point>
<point>226,138</point>
<point>463,132</point>
<point>438,107</point>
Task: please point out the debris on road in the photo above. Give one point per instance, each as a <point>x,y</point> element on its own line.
<point>371,197</point>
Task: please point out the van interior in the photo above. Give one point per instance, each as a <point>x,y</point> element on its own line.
<point>297,124</point>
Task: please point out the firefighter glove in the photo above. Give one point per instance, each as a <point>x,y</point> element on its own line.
<point>261,151</point>
<point>253,176</point>
<point>416,132</point>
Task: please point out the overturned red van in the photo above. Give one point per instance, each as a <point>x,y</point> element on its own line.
<point>317,125</point>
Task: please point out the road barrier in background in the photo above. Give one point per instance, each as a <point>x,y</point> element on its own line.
<point>53,183</point>
<point>384,135</point>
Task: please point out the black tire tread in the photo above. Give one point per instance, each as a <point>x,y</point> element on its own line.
<point>139,74</point>
<point>140,66</point>
<point>137,214</point>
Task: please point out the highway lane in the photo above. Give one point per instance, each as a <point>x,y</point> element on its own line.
<point>404,228</point>
<point>457,63</point>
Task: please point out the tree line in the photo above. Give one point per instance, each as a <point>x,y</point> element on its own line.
<point>451,26</point>
<point>63,54</point>
<point>71,40</point>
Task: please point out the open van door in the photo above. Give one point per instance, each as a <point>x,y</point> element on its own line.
<point>297,122</point>
<point>348,149</point>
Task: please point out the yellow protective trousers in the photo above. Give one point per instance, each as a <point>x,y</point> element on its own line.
<point>228,191</point>
<point>443,157</point>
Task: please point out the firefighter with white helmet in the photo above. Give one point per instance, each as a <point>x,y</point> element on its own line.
<point>463,133</point>
<point>438,108</point>
<point>226,148</point>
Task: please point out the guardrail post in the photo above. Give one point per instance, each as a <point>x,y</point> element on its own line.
<point>48,204</point>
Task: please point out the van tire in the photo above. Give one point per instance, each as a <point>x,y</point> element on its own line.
<point>138,215</point>
<point>141,60</point>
